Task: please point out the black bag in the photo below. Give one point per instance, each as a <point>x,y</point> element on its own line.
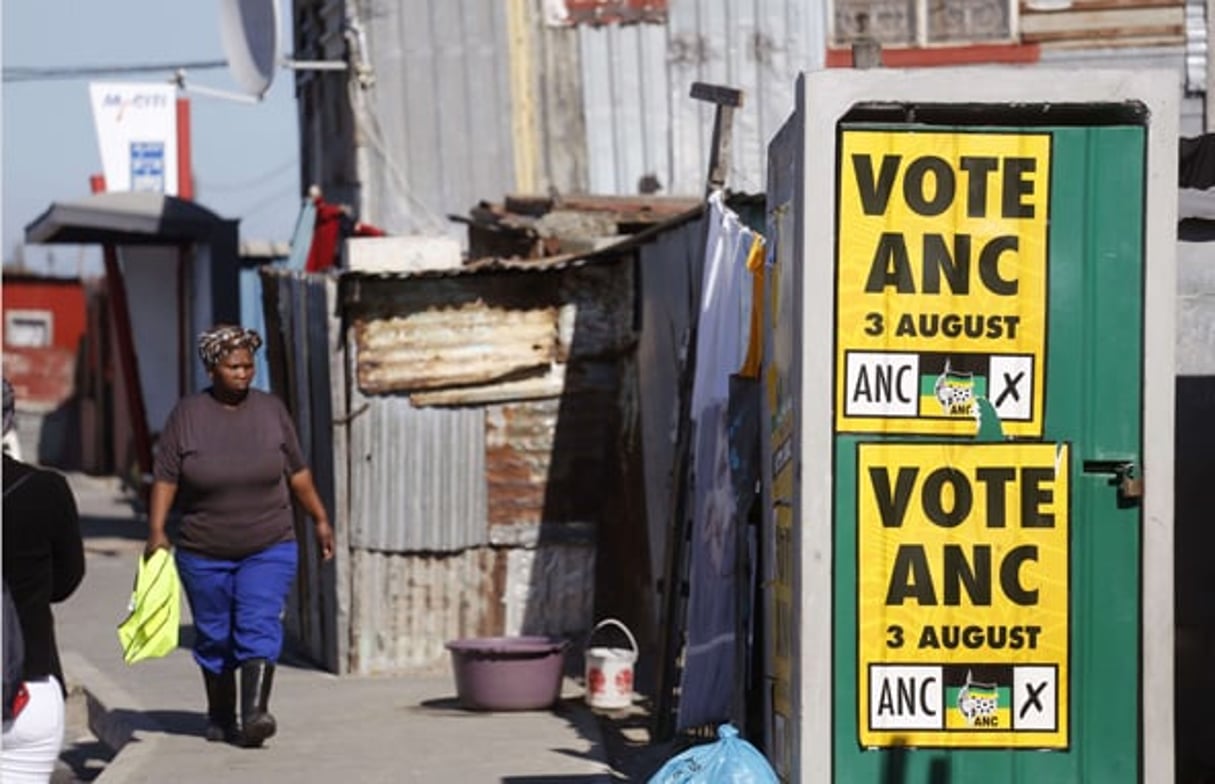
<point>14,654</point>
<point>13,641</point>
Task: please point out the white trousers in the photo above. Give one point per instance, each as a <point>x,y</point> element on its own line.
<point>31,742</point>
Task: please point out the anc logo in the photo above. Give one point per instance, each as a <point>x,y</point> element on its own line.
<point>982,705</point>
<point>955,392</point>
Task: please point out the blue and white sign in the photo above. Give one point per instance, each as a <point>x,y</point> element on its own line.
<point>148,166</point>
<point>137,135</point>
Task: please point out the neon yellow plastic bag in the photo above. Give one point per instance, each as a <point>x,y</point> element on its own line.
<point>150,629</point>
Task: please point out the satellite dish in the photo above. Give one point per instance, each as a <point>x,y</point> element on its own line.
<point>250,33</point>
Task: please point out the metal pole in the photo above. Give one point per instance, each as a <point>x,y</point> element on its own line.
<point>121,314</point>
<point>185,172</point>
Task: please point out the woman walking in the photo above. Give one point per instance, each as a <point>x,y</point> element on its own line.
<point>229,456</point>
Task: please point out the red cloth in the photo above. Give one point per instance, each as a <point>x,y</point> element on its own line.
<point>323,251</point>
<point>333,224</point>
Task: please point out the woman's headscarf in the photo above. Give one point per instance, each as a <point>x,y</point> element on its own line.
<point>222,339</point>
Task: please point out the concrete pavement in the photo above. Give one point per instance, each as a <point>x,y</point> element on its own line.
<point>352,729</point>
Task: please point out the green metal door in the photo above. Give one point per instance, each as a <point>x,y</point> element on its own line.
<point>1090,415</point>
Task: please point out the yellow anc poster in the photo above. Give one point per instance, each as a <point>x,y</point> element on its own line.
<point>942,281</point>
<point>963,583</point>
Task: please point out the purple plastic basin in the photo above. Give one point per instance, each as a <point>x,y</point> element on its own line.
<point>508,673</point>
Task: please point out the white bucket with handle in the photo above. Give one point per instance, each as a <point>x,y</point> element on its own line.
<point>609,671</point>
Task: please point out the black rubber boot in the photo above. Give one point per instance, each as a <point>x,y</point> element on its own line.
<point>256,678</point>
<point>221,705</point>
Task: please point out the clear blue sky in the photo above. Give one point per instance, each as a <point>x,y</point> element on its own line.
<point>245,155</point>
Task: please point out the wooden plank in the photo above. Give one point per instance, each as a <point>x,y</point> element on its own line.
<point>1028,8</point>
<point>549,383</point>
<point>1112,23</point>
<point>339,407</point>
<point>1130,42</point>
<point>1114,38</point>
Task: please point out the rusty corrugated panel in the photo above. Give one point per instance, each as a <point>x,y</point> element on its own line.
<point>606,12</point>
<point>443,347</point>
<point>417,478</point>
<point>1106,23</point>
<point>549,590</point>
<point>546,460</point>
<point>518,454</point>
<point>404,607</point>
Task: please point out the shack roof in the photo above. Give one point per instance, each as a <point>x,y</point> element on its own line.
<point>124,218</point>
<point>580,230</point>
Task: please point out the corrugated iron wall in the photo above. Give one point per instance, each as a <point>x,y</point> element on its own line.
<point>300,331</point>
<point>636,80</point>
<point>477,499</point>
<point>404,606</point>
<point>418,476</point>
<point>436,121</point>
<point>475,98</point>
<point>470,99</point>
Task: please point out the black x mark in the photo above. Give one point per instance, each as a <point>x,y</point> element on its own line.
<point>1010,387</point>
<point>1033,698</point>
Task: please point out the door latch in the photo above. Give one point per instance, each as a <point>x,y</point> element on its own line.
<point>1125,475</point>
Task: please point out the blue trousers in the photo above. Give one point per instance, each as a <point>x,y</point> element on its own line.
<point>238,604</point>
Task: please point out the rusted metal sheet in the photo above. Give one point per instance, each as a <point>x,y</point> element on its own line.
<point>417,476</point>
<point>546,460</point>
<point>1106,25</point>
<point>404,607</point>
<point>441,347</point>
<point>549,590</point>
<point>605,12</point>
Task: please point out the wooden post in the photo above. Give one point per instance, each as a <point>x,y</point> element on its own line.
<point>727,99</point>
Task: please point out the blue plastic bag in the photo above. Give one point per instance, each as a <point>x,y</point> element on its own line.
<point>731,760</point>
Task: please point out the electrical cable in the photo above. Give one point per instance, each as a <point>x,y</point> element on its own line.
<point>372,133</point>
<point>264,202</point>
<point>23,73</point>
<point>251,182</point>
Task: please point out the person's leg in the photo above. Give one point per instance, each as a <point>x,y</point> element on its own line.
<point>32,741</point>
<point>209,584</point>
<point>262,582</point>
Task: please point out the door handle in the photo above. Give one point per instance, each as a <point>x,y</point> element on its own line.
<point>1124,473</point>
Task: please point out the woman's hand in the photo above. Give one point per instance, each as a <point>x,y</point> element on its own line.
<point>324,539</point>
<point>156,541</point>
<point>163,494</point>
<point>305,492</point>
